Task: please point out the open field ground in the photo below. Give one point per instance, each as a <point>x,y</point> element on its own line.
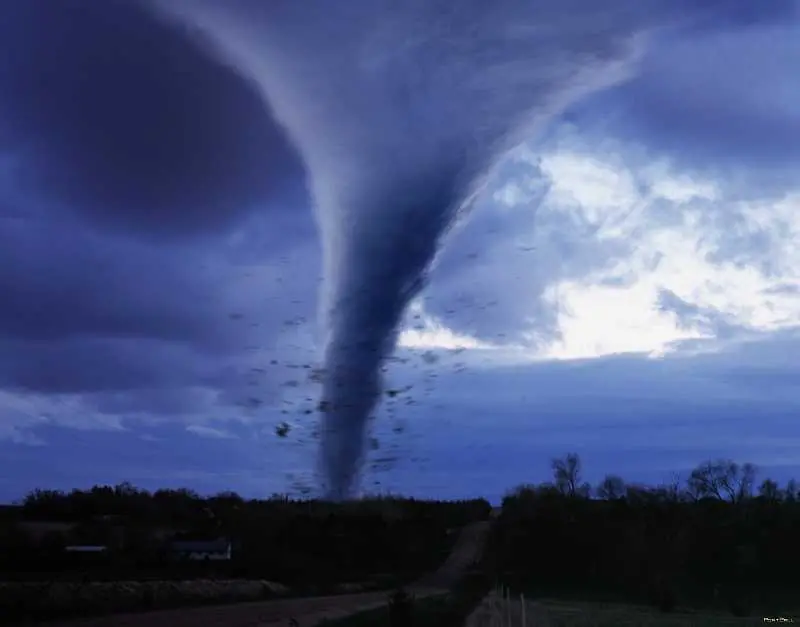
<point>497,610</point>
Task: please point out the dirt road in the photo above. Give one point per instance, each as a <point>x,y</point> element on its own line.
<point>467,550</point>
<point>306,611</point>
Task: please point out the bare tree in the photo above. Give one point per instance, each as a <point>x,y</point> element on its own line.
<point>747,480</point>
<point>722,479</point>
<point>612,487</point>
<point>673,490</point>
<point>791,492</point>
<point>567,476</point>
<point>770,491</point>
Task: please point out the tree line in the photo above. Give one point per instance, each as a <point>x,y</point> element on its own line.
<point>719,539</point>
<point>295,542</point>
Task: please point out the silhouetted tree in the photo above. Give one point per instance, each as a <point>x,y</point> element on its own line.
<point>722,479</point>
<point>705,542</point>
<point>567,476</point>
<point>612,487</point>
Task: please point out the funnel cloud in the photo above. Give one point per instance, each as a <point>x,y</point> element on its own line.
<point>400,110</point>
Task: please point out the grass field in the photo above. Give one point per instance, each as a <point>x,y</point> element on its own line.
<point>498,610</point>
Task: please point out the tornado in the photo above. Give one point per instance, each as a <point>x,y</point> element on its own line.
<point>400,110</point>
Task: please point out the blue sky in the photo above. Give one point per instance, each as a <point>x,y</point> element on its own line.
<point>626,286</point>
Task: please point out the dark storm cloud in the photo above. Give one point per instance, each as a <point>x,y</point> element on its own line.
<point>127,120</point>
<point>113,116</point>
<point>97,364</point>
<point>96,313</point>
<point>60,281</point>
<point>719,100</point>
<point>734,14</point>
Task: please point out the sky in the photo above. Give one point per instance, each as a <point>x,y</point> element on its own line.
<point>626,284</point>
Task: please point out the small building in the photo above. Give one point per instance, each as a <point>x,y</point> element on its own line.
<point>216,550</point>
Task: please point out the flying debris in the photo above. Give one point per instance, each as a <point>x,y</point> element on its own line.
<point>429,357</point>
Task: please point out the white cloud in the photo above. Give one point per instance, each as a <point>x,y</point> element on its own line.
<point>655,256</point>
<point>616,308</point>
<point>428,332</point>
<point>594,191</point>
<point>597,320</point>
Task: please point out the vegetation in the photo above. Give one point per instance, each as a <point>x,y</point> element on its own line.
<point>715,542</point>
<point>719,544</point>
<point>298,543</point>
<point>307,547</point>
<point>42,600</point>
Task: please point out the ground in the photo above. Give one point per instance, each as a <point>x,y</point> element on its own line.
<point>520,612</point>
<point>307,611</point>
